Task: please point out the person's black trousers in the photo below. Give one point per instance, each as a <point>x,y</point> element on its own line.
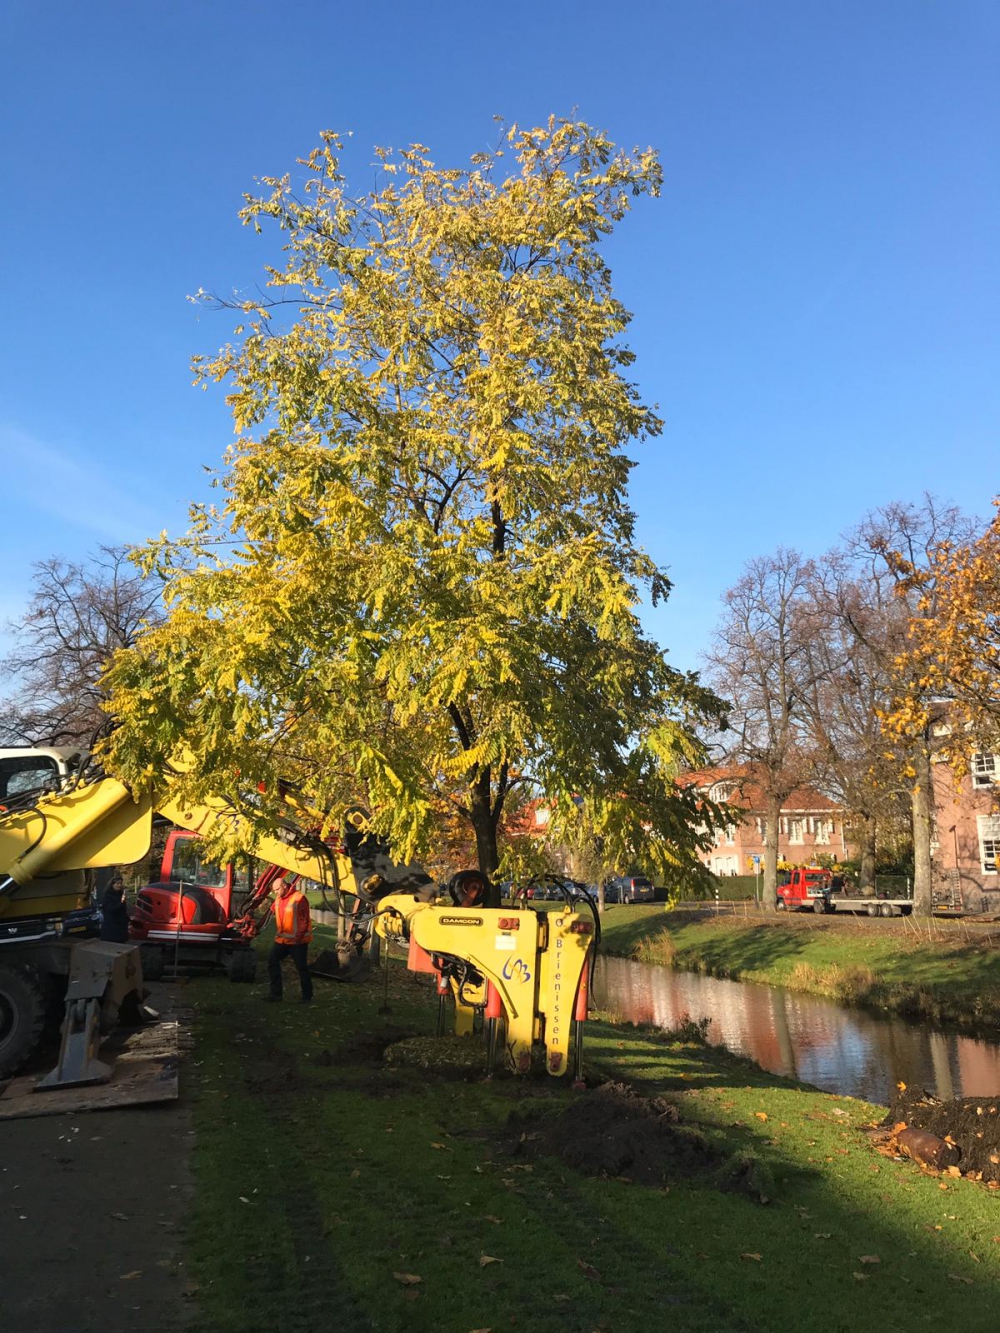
<point>297,953</point>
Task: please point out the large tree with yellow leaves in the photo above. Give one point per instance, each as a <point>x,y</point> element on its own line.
<point>419,590</point>
<point>952,656</point>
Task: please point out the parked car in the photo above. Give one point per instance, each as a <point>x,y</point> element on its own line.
<point>629,889</point>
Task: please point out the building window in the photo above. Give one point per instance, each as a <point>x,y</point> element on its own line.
<point>989,842</point>
<point>823,831</point>
<point>730,834</point>
<point>762,829</point>
<point>984,769</point>
<point>795,831</point>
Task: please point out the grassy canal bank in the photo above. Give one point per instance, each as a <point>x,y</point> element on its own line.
<point>944,972</point>
<point>334,1188</point>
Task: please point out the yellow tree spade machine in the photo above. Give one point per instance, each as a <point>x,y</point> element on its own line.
<point>522,973</point>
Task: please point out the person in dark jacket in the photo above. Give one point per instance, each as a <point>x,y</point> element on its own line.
<point>114,913</point>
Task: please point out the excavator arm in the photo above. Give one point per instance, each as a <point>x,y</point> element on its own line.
<point>102,823</point>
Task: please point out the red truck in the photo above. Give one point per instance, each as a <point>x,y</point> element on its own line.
<point>813,888</point>
<point>807,888</point>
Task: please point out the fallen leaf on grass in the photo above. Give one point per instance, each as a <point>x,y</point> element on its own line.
<point>860,1277</point>
<point>244,1199</point>
<point>957,1277</point>
<point>137,1272</point>
<point>869,1259</point>
<point>485,1259</point>
<point>442,1146</point>
<point>760,1115</point>
<point>119,1217</point>
<point>407,1279</point>
<point>490,1218</point>
<point>588,1270</point>
<point>823,1235</point>
<point>757,1258</point>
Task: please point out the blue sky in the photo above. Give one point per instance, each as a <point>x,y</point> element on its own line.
<point>815,293</point>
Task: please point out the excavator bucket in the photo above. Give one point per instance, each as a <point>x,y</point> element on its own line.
<point>104,981</point>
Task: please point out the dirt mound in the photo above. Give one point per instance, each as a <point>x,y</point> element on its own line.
<point>972,1124</point>
<point>613,1131</point>
<point>448,1057</point>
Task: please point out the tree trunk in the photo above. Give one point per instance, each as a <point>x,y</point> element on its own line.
<point>921,801</point>
<point>772,814</point>
<point>866,876</point>
<point>485,826</point>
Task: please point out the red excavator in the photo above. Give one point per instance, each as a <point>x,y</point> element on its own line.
<point>200,915</point>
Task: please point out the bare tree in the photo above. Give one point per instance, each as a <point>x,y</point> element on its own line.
<point>79,614</point>
<point>855,620</point>
<point>760,662</point>
<point>886,550</point>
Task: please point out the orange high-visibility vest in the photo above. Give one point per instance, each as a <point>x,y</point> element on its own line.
<point>292,921</point>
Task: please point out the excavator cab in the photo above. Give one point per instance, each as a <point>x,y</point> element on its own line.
<point>185,919</point>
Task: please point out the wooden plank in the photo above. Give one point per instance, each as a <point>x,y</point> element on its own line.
<point>144,1071</point>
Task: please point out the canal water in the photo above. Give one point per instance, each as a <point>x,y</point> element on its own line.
<point>848,1051</point>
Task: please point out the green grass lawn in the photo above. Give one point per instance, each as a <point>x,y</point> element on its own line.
<point>945,972</point>
<point>321,1175</point>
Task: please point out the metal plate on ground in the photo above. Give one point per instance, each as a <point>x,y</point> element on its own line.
<point>144,1070</point>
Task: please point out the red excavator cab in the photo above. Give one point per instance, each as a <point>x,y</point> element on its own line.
<point>193,893</point>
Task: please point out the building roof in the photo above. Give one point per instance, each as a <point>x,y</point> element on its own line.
<point>746,792</point>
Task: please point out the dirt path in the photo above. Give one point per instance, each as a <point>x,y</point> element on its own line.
<point>91,1208</point>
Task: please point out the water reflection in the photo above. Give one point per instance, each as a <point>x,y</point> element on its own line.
<point>816,1040</point>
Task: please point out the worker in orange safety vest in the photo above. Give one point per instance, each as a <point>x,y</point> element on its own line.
<point>293,931</point>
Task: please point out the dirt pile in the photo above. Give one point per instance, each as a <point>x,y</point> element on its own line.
<point>448,1057</point>
<point>614,1132</point>
<point>971,1124</point>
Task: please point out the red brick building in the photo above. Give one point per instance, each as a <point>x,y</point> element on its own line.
<point>810,824</point>
<point>965,846</point>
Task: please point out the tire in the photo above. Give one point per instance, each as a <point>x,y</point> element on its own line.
<point>873,909</point>
<point>23,1005</point>
<point>886,910</point>
<point>819,906</point>
<point>780,905</point>
<point>153,962</point>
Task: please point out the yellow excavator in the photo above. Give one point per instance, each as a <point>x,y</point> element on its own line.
<point>521,973</point>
